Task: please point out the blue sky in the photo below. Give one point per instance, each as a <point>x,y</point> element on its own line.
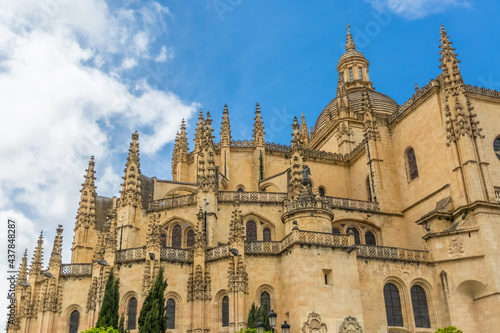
<point>78,77</point>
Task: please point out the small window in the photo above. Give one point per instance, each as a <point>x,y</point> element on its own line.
<point>251,231</point>
<point>170,314</point>
<point>355,232</point>
<point>336,231</point>
<point>351,76</point>
<point>74,321</point>
<point>369,188</point>
<point>190,238</point>
<point>420,309</point>
<point>360,73</point>
<point>370,238</point>
<point>240,189</point>
<point>132,314</point>
<point>177,237</point>
<point>393,305</point>
<point>321,191</point>
<point>265,300</point>
<point>266,235</point>
<point>411,162</point>
<point>225,311</point>
<point>496,146</point>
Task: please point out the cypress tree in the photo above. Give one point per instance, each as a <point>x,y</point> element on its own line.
<point>263,314</point>
<point>108,315</point>
<point>153,317</point>
<point>253,317</point>
<point>121,325</point>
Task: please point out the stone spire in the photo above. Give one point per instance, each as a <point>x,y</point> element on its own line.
<point>56,255</point>
<point>200,237</point>
<point>225,132</point>
<point>258,128</point>
<point>371,130</point>
<point>349,45</point>
<point>304,133</point>
<point>23,270</point>
<point>36,263</point>
<point>86,210</point>
<point>131,186</point>
<point>183,143</point>
<point>199,132</point>
<point>296,133</point>
<point>208,137</point>
<point>236,228</point>
<point>207,176</point>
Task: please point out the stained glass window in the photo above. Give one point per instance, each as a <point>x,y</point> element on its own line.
<point>336,231</point>
<point>170,314</point>
<point>420,309</point>
<point>74,320</point>
<point>496,146</point>
<point>360,73</point>
<point>225,311</point>
<point>163,240</point>
<point>266,235</point>
<point>190,238</point>
<point>132,314</point>
<point>265,299</point>
<point>177,237</point>
<point>412,164</point>
<point>251,231</point>
<point>356,234</point>
<point>393,305</point>
<point>351,76</point>
<point>370,238</point>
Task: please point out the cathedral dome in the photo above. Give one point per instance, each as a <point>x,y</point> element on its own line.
<point>383,105</point>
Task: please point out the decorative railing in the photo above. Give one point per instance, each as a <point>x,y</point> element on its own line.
<point>183,200</point>
<point>76,270</point>
<point>172,254</point>
<point>497,193</point>
<point>251,196</point>
<point>482,91</point>
<point>392,253</point>
<point>138,253</point>
<point>353,204</point>
<point>262,247</point>
<point>277,148</point>
<point>408,104</point>
<point>320,238</point>
<point>217,253</point>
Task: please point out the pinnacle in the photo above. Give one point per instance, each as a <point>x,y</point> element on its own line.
<point>349,46</point>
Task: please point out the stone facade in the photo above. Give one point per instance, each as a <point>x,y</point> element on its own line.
<point>376,196</point>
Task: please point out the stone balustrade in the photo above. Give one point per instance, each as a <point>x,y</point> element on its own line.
<point>497,193</point>
<point>217,253</point>
<point>179,255</point>
<point>263,247</point>
<point>166,203</point>
<point>392,253</point>
<point>353,204</point>
<point>133,254</point>
<point>76,270</point>
<point>261,197</point>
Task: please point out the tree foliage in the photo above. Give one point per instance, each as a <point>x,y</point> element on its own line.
<point>152,317</point>
<point>257,314</point>
<point>108,316</point>
<point>121,325</point>
<point>101,330</point>
<point>449,329</point>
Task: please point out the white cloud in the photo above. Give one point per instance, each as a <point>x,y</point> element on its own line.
<point>62,100</point>
<point>415,9</point>
<point>164,55</point>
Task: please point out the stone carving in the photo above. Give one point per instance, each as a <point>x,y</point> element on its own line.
<point>314,324</point>
<point>350,325</point>
<point>456,246</point>
<point>199,285</point>
<point>306,173</point>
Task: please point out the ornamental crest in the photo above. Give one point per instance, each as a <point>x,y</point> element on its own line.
<point>350,325</point>
<point>456,246</point>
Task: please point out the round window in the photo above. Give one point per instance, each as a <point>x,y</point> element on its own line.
<point>496,146</point>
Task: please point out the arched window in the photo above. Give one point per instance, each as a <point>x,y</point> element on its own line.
<point>496,146</point>
<point>177,237</point>
<point>170,314</point>
<point>190,238</point>
<point>336,231</point>
<point>321,191</point>
<point>355,232</point>
<point>74,320</point>
<point>225,311</point>
<point>393,305</point>
<point>251,231</point>
<point>411,164</point>
<point>370,238</point>
<point>420,309</point>
<point>266,235</point>
<point>163,240</point>
<point>265,299</point>
<point>132,314</point>
<point>240,189</point>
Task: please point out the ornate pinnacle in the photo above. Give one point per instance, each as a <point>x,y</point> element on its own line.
<point>199,132</point>
<point>200,241</point>
<point>182,145</point>
<point>23,270</point>
<point>236,229</point>
<point>55,257</point>
<point>296,134</point>
<point>90,174</point>
<point>304,133</point>
<point>225,132</point>
<point>349,46</point>
<point>36,263</point>
<point>258,128</point>
<point>131,186</point>
<point>371,130</point>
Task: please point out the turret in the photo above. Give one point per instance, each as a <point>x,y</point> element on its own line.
<point>55,260</point>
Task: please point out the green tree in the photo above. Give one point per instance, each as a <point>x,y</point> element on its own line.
<point>101,330</point>
<point>152,317</point>
<point>264,317</point>
<point>108,316</point>
<point>121,325</point>
<point>449,329</point>
<point>257,314</point>
<point>253,317</point>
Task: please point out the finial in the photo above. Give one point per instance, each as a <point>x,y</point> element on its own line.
<point>135,136</point>
<point>257,107</point>
<point>416,87</point>
<point>349,46</point>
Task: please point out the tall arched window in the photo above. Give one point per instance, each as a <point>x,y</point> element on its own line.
<point>190,238</point>
<point>355,232</point>
<point>74,320</point>
<point>420,309</point>
<point>132,314</point>
<point>370,238</point>
<point>266,235</point>
<point>177,237</point>
<point>393,305</point>
<point>265,299</point>
<point>170,314</point>
<point>411,164</point>
<point>225,311</point>
<point>251,231</point>
<point>336,231</point>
